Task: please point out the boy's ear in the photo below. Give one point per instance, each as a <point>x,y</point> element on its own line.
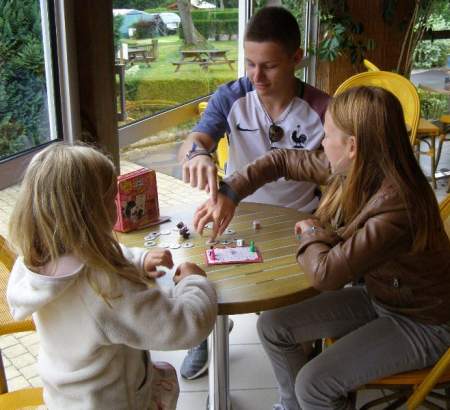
<point>298,56</point>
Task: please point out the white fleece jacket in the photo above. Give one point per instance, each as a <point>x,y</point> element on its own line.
<point>93,356</point>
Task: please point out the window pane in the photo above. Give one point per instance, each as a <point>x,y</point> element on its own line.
<point>163,63</point>
<point>27,115</point>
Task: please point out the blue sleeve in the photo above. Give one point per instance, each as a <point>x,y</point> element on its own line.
<point>214,120</point>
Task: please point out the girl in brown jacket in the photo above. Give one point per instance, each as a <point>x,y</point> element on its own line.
<point>378,221</point>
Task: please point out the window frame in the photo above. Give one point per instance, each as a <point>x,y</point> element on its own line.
<point>58,41</point>
<point>131,133</point>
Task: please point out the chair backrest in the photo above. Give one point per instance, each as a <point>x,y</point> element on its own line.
<point>7,322</point>
<point>401,87</point>
<point>370,66</point>
<point>444,207</point>
<point>433,378</point>
<point>222,147</point>
<point>23,398</point>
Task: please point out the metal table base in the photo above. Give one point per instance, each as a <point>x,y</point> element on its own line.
<point>219,376</point>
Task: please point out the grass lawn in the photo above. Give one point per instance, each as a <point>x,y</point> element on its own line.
<point>156,86</point>
<point>163,68</point>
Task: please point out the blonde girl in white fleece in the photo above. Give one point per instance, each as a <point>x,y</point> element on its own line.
<point>89,296</point>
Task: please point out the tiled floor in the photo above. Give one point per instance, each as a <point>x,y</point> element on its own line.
<point>253,386</point>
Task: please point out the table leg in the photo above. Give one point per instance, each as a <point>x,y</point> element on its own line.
<point>219,377</point>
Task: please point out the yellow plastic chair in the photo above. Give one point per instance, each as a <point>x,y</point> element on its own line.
<point>370,66</point>
<point>29,398</point>
<point>221,154</point>
<point>426,130</point>
<point>402,88</point>
<point>417,384</point>
<point>445,121</point>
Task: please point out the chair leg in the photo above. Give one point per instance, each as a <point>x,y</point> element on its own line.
<point>433,161</point>
<point>399,398</point>
<point>3,383</point>
<point>439,150</point>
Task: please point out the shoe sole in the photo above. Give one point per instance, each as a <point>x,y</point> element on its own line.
<point>203,370</point>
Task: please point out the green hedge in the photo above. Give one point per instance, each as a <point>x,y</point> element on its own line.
<point>209,28</point>
<point>179,90</point>
<point>432,105</point>
<point>215,15</point>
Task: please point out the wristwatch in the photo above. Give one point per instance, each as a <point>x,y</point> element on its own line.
<point>196,151</point>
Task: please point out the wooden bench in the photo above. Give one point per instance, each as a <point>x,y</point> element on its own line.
<point>204,58</point>
<point>202,64</point>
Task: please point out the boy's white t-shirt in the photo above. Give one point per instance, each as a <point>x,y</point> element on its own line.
<point>235,109</point>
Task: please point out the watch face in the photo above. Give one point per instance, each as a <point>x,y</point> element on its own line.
<point>276,133</point>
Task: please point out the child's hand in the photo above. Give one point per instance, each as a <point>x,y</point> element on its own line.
<point>298,228</point>
<point>305,225</point>
<point>186,269</point>
<point>157,257</point>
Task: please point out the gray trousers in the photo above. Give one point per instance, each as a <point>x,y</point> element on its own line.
<point>372,343</point>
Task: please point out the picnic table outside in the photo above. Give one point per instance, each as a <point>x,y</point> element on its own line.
<point>204,58</point>
<point>138,52</point>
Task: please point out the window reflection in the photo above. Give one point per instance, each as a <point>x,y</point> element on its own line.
<point>27,117</point>
<point>171,56</point>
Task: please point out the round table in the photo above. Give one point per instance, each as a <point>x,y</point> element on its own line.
<point>241,288</point>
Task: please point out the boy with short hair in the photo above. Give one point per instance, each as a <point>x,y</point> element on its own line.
<point>267,109</point>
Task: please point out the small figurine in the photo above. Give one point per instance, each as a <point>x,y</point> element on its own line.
<point>183,230</point>
<point>212,254</point>
<point>252,246</point>
<point>256,225</point>
<point>239,242</point>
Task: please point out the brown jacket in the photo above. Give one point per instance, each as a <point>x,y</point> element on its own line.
<point>375,246</point>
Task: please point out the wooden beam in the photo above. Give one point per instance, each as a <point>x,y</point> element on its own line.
<point>96,74</point>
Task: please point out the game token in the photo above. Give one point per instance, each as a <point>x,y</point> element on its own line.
<point>211,242</point>
<point>209,225</point>
<point>229,231</point>
<point>174,246</point>
<point>164,245</point>
<point>187,245</point>
<point>180,225</point>
<point>165,232</point>
<point>256,225</point>
<point>252,246</point>
<point>239,242</point>
<point>225,242</point>
<point>149,244</point>
<point>151,236</point>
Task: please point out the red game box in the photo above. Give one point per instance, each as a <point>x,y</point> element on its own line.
<point>137,200</point>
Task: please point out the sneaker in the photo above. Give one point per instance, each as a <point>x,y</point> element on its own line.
<point>195,364</point>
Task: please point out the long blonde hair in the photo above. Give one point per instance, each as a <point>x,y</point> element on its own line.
<point>374,116</point>
<point>66,206</point>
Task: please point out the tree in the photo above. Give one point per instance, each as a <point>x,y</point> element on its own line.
<point>23,110</point>
<point>418,24</point>
<point>191,36</point>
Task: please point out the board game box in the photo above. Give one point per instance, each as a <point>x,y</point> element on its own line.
<point>137,200</point>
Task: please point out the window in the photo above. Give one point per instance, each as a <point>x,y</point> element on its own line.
<point>29,102</point>
<point>157,71</point>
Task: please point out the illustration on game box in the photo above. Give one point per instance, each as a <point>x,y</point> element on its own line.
<point>137,200</point>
